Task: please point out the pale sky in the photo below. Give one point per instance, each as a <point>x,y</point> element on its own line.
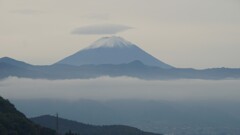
<point>182,33</point>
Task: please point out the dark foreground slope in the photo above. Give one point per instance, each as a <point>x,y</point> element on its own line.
<point>84,129</point>
<point>13,122</point>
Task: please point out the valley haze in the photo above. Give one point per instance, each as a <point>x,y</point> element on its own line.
<point>209,106</point>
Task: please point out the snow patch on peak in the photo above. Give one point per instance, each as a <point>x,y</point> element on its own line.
<point>113,41</point>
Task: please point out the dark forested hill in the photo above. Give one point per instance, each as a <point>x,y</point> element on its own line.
<point>13,122</point>
<point>84,129</point>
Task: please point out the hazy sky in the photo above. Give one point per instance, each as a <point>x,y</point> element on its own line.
<point>182,33</point>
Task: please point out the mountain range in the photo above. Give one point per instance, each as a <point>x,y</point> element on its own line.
<point>110,56</point>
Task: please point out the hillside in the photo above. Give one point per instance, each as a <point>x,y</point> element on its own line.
<point>84,129</point>
<point>13,122</point>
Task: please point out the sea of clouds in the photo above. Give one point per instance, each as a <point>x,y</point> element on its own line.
<point>106,88</point>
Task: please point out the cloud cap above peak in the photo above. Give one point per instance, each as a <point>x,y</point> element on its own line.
<point>100,29</point>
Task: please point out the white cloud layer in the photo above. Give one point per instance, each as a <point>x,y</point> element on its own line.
<point>120,88</point>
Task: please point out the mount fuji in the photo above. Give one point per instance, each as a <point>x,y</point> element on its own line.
<point>112,50</point>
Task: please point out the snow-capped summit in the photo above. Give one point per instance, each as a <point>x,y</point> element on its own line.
<point>113,41</point>
<point>112,50</point>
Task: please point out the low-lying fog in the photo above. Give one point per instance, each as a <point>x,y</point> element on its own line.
<point>106,88</point>
<point>181,107</point>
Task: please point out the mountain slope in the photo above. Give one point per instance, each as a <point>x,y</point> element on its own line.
<point>84,129</point>
<point>13,122</point>
<point>112,50</point>
<point>14,62</point>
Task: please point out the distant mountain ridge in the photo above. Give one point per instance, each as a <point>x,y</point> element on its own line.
<point>14,62</point>
<point>86,129</point>
<point>112,50</point>
<point>135,69</point>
